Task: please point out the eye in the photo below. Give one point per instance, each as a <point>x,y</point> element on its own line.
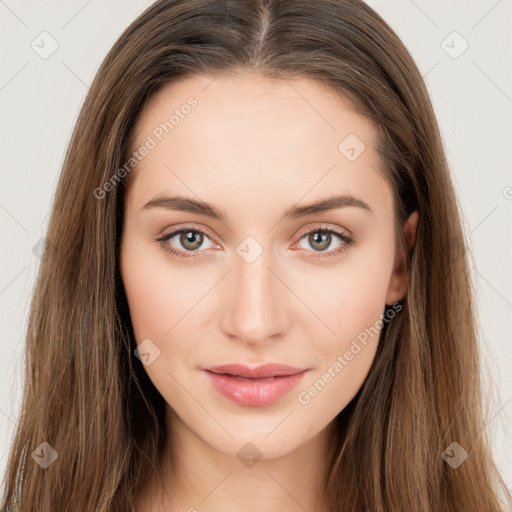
<point>322,238</point>
<point>191,240</point>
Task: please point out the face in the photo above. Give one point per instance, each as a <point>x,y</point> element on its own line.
<point>255,277</point>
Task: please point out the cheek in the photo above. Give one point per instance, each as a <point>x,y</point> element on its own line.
<point>348,299</point>
<point>351,303</point>
<point>146,299</point>
<point>345,357</point>
<point>158,295</point>
<point>159,300</point>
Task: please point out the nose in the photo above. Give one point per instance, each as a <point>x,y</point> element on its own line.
<point>255,311</point>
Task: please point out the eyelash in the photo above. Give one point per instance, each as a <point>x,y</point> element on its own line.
<point>345,239</point>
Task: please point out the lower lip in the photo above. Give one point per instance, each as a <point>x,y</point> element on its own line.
<point>254,392</point>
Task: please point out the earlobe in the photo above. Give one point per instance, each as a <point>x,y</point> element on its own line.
<point>399,281</point>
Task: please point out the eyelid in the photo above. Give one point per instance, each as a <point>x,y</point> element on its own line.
<point>188,227</point>
<point>322,227</point>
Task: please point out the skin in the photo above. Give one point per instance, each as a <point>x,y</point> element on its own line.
<point>255,147</point>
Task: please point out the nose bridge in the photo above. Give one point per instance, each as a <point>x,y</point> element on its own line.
<point>255,312</point>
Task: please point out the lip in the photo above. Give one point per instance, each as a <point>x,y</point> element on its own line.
<point>254,387</point>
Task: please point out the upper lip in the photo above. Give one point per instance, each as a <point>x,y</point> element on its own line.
<point>259,372</point>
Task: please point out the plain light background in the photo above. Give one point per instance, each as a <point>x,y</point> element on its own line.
<point>463,50</point>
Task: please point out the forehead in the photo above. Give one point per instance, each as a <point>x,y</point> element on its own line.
<point>256,104</point>
<point>252,136</point>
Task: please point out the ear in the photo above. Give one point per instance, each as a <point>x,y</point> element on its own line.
<point>399,281</point>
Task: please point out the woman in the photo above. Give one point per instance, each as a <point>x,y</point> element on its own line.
<point>258,295</point>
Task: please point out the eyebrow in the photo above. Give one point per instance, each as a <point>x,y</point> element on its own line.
<point>184,204</point>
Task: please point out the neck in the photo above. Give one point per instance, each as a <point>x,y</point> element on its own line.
<point>198,477</point>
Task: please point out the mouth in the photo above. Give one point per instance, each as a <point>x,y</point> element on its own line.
<point>254,387</point>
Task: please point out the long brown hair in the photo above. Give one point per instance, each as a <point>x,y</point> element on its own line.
<point>86,396</point>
